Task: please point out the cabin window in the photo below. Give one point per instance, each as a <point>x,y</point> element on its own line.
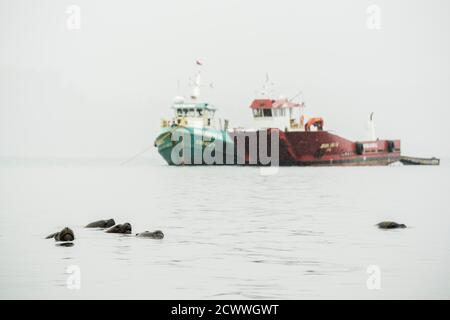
<point>267,112</point>
<point>200,112</point>
<point>209,122</point>
<point>257,113</point>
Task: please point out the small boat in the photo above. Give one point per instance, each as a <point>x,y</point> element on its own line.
<point>419,161</point>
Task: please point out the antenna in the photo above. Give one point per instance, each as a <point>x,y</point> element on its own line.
<point>295,96</point>
<point>196,86</point>
<point>267,87</point>
<point>371,128</point>
<point>197,82</point>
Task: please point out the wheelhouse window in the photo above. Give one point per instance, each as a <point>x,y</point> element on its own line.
<point>267,112</point>
<point>257,113</point>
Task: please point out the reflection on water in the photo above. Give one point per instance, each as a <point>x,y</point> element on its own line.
<point>229,232</point>
<point>65,244</point>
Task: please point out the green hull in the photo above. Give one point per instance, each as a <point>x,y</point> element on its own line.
<point>179,152</point>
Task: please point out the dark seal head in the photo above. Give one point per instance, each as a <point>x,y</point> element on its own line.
<point>158,234</point>
<point>390,225</point>
<point>120,228</point>
<point>65,234</point>
<point>101,224</point>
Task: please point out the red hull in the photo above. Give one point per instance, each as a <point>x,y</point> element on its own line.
<point>321,148</point>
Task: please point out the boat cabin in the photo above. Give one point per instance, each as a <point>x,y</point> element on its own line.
<point>195,114</point>
<point>281,113</point>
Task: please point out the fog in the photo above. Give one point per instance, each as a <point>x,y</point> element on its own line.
<point>101,90</point>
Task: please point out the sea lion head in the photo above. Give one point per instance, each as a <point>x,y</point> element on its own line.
<point>66,234</point>
<point>126,228</point>
<point>390,225</point>
<point>120,228</point>
<point>158,234</point>
<point>101,224</point>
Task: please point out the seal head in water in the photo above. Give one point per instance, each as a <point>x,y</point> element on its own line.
<point>101,224</point>
<point>120,228</point>
<point>158,234</point>
<point>390,225</point>
<point>65,234</point>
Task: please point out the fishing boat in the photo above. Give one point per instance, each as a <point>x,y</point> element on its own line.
<point>194,136</point>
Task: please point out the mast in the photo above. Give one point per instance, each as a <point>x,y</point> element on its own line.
<point>197,82</point>
<point>267,88</point>
<point>196,86</point>
<point>371,128</point>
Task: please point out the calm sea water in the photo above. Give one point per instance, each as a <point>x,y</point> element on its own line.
<point>231,233</point>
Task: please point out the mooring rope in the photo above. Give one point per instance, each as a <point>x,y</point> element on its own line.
<point>136,155</point>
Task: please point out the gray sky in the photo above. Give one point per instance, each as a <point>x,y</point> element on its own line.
<point>102,90</point>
